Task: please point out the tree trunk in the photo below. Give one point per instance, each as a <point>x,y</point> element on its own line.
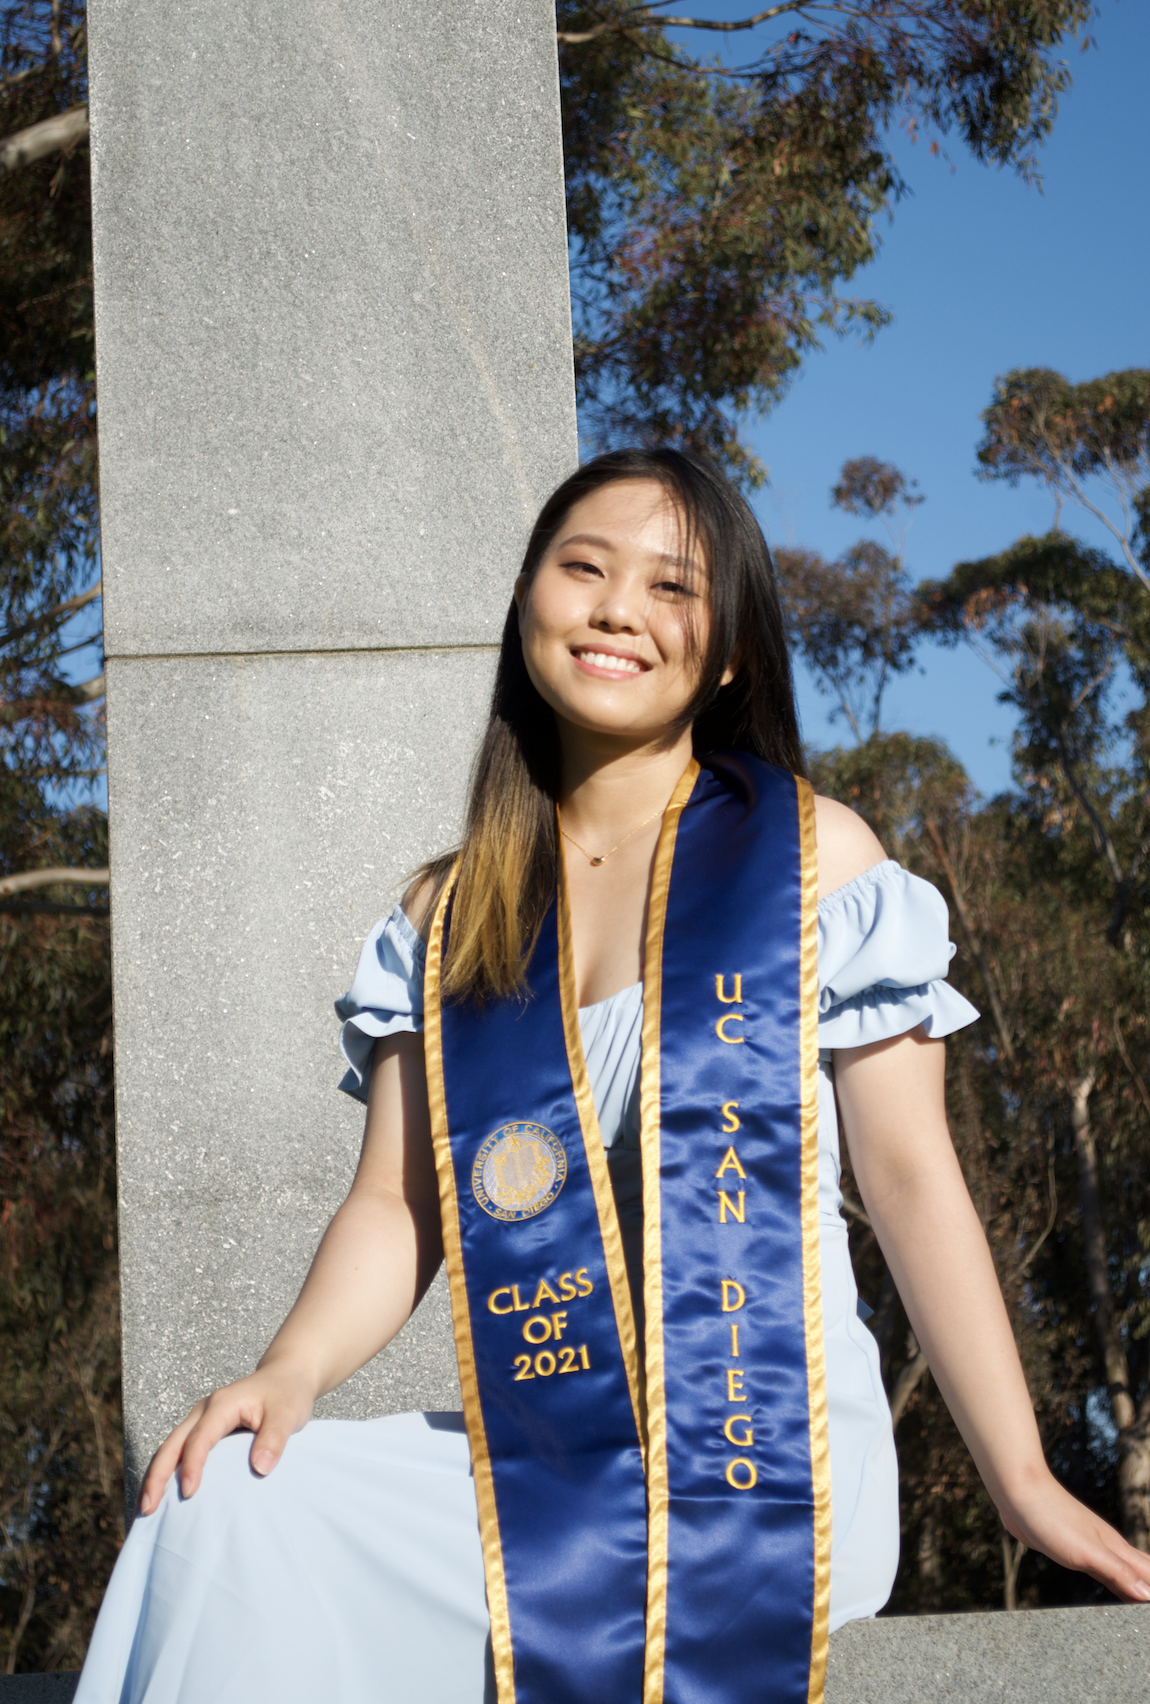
<point>1013,1550</point>
<point>1133,1429</point>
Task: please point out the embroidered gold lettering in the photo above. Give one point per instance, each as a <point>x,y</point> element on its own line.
<point>491,1301</point>
<point>748,1436</point>
<point>523,1368</point>
<point>567,1290</point>
<point>584,1283</point>
<point>730,1163</point>
<point>734,1341</point>
<point>730,1122</point>
<point>544,1290</point>
<point>735,999</point>
<point>545,1364</point>
<point>721,1031</point>
<point>537,1329</point>
<point>748,1475</point>
<point>727,1205</point>
<point>520,1307</point>
<point>567,1361</point>
<point>735,1376</point>
<point>732,1290</point>
<point>559,1321</point>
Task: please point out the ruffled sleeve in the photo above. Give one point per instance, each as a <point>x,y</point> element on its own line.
<point>385,998</point>
<point>884,953</point>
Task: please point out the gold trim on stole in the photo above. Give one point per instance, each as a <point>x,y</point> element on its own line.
<point>597,1155</point>
<point>460,1312</point>
<point>650,1089</point>
<point>812,1280</point>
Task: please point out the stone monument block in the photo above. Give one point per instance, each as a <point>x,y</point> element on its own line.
<point>334,360</point>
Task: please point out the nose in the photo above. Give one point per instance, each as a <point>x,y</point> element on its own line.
<point>621,608</point>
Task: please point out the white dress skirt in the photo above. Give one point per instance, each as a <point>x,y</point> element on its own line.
<point>354,1570</point>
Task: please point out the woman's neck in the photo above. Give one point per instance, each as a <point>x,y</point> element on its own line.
<point>608,791</point>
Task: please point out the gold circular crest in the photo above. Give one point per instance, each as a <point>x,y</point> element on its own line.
<point>519,1171</point>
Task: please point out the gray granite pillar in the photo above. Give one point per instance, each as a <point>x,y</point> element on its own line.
<point>335,382</point>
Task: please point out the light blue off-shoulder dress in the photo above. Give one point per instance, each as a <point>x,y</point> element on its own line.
<point>354,1571</point>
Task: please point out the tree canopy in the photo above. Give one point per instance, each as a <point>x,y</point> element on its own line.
<point>715,207</point>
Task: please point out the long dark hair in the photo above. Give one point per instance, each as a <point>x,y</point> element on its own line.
<point>509,854</point>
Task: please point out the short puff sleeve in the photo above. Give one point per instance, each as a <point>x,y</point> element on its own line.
<point>385,998</point>
<point>884,953</point>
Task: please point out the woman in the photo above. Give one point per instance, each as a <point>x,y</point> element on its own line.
<point>601,1066</point>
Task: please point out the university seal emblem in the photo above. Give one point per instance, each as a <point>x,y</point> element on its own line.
<point>518,1171</point>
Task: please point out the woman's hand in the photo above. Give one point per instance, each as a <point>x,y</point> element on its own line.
<point>273,1403</point>
<point>377,1257</point>
<point>1048,1519</point>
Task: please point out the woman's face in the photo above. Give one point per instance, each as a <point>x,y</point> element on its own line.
<point>606,618</point>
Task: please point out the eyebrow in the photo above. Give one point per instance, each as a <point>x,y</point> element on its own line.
<point>666,558</point>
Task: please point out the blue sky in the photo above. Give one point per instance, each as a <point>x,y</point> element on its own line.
<point>982,273</point>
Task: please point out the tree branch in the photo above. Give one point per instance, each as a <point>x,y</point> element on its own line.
<point>1049,1226</point>
<point>56,613</point>
<point>905,1386</point>
<point>62,130</point>
<point>51,877</point>
<point>1101,837</point>
<point>639,22</point>
<point>855,1212</point>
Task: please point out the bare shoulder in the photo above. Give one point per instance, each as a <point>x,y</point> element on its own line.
<point>846,846</point>
<point>420,899</point>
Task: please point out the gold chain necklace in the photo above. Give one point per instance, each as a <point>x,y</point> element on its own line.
<point>602,859</point>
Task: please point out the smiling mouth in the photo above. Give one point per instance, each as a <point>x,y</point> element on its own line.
<point>609,662</point>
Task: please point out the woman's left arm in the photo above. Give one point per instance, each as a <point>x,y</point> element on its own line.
<point>893,1109</point>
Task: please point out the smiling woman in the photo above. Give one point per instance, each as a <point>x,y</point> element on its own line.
<point>605,1089</point>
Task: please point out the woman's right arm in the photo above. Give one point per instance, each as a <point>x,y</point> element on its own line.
<point>377,1258</point>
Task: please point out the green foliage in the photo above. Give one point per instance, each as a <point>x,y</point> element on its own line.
<point>1089,444</point>
<point>1041,425</point>
<point>714,210</point>
<point>48,499</point>
<point>867,486</point>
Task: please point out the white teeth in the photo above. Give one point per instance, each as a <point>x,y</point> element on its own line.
<point>618,665</point>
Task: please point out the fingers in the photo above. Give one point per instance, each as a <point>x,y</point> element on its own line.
<point>1121,1569</point>
<point>270,1405</point>
<point>163,1463</point>
<point>224,1412</point>
<point>268,1447</point>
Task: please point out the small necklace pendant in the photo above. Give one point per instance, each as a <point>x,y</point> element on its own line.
<point>595,861</point>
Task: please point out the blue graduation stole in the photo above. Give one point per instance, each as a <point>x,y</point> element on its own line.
<point>655,1529</point>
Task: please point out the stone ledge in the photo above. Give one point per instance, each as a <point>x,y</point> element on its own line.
<point>1048,1656</point>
